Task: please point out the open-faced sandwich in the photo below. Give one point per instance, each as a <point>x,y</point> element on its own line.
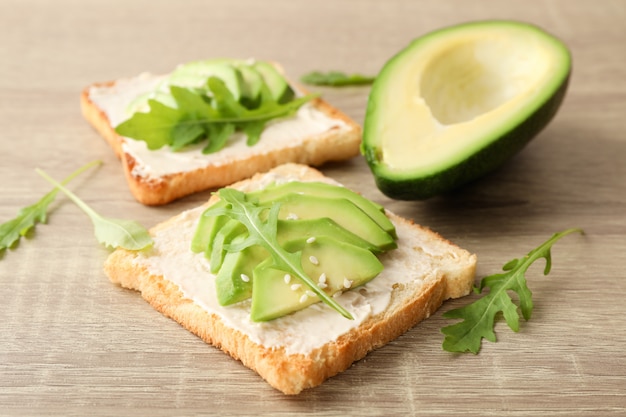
<point>294,275</point>
<point>210,123</point>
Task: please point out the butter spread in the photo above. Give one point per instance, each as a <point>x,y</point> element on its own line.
<point>305,330</point>
<point>284,133</point>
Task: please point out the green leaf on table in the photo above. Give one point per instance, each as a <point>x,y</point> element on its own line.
<point>478,318</point>
<point>116,233</point>
<point>264,233</point>
<point>336,79</point>
<point>12,230</point>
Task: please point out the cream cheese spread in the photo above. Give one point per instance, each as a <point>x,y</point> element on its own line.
<point>300,332</point>
<point>284,133</point>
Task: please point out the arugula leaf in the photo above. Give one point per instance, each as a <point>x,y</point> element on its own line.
<point>335,79</point>
<point>185,134</point>
<point>12,230</point>
<point>116,233</point>
<point>264,233</point>
<point>154,127</point>
<point>219,134</point>
<point>211,115</point>
<point>478,317</point>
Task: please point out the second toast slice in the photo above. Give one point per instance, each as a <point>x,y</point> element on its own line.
<point>315,134</point>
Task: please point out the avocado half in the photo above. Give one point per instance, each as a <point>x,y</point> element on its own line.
<point>457,103</point>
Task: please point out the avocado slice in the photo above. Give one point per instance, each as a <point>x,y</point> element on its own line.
<point>140,103</point>
<point>245,80</point>
<point>252,83</point>
<point>347,215</point>
<point>279,88</point>
<point>226,234</point>
<point>193,75</point>
<point>457,103</point>
<point>196,73</point>
<point>333,229</point>
<point>208,226</point>
<point>235,272</point>
<point>233,281</point>
<point>206,229</point>
<point>289,230</point>
<point>343,266</point>
<point>373,210</point>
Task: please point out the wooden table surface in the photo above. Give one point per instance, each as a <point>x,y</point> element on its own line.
<point>72,343</point>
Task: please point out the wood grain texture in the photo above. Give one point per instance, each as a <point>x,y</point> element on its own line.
<point>73,344</point>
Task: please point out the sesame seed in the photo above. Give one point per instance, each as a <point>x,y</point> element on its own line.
<point>310,293</point>
<point>311,239</point>
<point>287,278</point>
<point>303,298</point>
<point>347,283</point>
<point>314,260</point>
<point>337,294</point>
<point>322,278</point>
<point>292,216</point>
<point>295,287</point>
<point>322,285</point>
<point>245,278</point>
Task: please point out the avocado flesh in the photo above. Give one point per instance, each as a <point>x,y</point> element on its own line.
<point>251,86</point>
<point>309,224</point>
<point>289,230</point>
<point>457,103</point>
<point>341,210</point>
<point>241,80</point>
<point>233,281</point>
<point>232,288</point>
<point>338,261</point>
<point>206,229</point>
<point>303,216</point>
<point>225,235</point>
<point>245,80</point>
<point>278,86</point>
<point>373,210</point>
<point>141,102</point>
<point>309,220</point>
<point>195,74</point>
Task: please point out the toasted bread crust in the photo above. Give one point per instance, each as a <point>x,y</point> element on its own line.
<point>292,373</point>
<point>333,145</point>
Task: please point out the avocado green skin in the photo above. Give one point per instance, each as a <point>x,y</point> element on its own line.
<point>401,186</point>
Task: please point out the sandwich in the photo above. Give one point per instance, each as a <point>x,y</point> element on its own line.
<point>210,123</point>
<point>362,276</point>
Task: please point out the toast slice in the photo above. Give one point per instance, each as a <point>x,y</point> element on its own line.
<point>303,349</point>
<point>318,133</point>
